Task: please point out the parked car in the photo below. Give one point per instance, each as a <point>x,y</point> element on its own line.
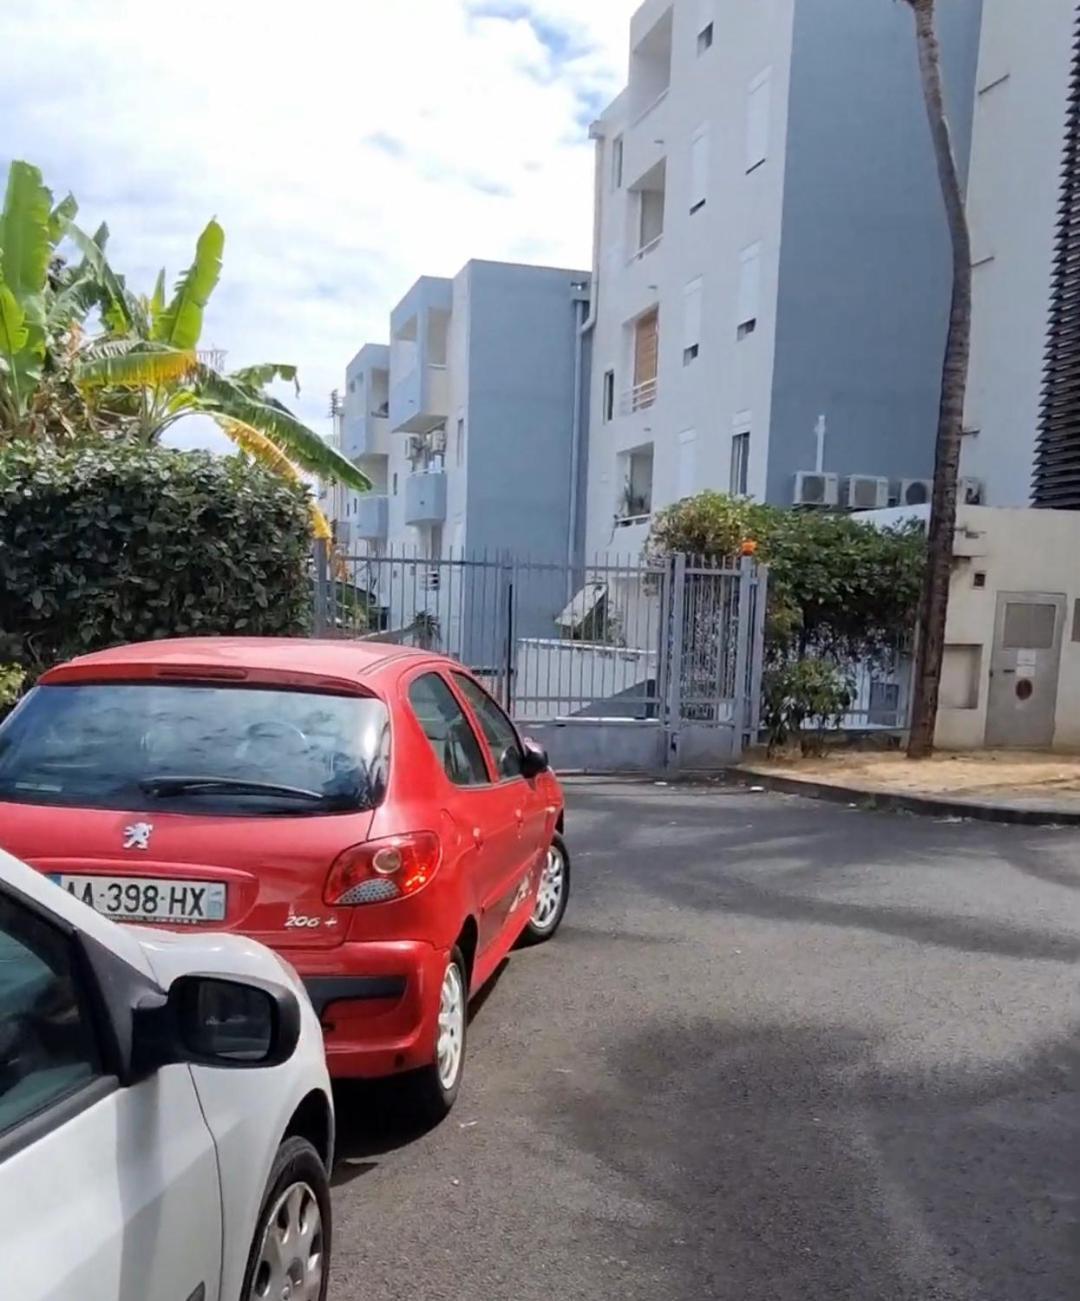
<point>166,1123</point>
<point>368,811</point>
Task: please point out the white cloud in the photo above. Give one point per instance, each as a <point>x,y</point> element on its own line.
<point>346,149</point>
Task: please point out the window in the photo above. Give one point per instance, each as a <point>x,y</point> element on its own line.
<point>1076,620</point>
<point>47,1050</point>
<point>636,473</point>
<point>687,464</point>
<point>609,396</point>
<point>692,320</point>
<point>705,39</point>
<point>646,357</point>
<point>105,745</point>
<point>459,445</point>
<point>740,463</point>
<point>757,120</point>
<point>749,290</point>
<point>448,731</point>
<point>395,483</point>
<point>616,163</point>
<point>502,740</point>
<point>1029,626</point>
<point>352,386</point>
<point>699,168</point>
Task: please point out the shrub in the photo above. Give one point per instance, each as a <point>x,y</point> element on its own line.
<point>111,543</point>
<point>805,691</point>
<point>836,585</point>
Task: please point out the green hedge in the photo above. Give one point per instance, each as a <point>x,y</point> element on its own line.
<point>115,543</point>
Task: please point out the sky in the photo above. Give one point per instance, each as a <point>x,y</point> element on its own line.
<point>346,146</point>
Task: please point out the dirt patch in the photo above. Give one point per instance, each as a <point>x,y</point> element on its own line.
<point>989,772</point>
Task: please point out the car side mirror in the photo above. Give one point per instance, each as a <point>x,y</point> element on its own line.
<point>534,760</point>
<point>210,1020</point>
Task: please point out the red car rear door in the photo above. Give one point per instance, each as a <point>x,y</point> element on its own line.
<point>529,833</point>
<point>484,810</point>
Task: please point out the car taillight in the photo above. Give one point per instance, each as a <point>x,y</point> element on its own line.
<point>382,870</point>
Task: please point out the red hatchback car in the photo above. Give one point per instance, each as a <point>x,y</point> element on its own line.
<point>366,810</point>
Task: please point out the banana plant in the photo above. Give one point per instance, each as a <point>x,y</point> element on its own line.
<point>147,365</point>
<point>25,250</point>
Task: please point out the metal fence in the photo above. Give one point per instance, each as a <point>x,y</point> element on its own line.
<point>639,662</point>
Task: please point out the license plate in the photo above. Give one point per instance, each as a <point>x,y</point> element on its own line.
<point>146,899</point>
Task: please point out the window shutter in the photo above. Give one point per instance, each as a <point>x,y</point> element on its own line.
<point>757,120</point>
<point>692,297</point>
<point>687,464</point>
<point>646,348</point>
<point>749,283</point>
<point>699,167</point>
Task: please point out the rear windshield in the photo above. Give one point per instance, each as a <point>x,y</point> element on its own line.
<point>181,748</point>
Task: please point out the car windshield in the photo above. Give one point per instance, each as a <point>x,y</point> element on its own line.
<point>195,748</point>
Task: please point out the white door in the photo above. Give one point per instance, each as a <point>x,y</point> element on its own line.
<point>1024,666</point>
<point>106,1193</point>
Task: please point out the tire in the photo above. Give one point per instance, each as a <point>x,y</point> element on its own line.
<point>552,898</point>
<point>435,1087</point>
<point>297,1193</point>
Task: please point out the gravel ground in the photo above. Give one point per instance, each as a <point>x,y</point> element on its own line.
<point>779,1050</point>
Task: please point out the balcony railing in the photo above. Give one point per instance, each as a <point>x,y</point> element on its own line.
<point>638,398</point>
<point>646,249</point>
<point>644,113</point>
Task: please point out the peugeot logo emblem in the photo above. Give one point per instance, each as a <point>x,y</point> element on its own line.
<point>137,836</point>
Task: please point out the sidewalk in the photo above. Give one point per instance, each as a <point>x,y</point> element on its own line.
<point>992,785</point>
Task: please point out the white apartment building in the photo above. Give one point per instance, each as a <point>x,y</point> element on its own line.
<point>471,423</point>
<point>1024,151</point>
<point>770,289</point>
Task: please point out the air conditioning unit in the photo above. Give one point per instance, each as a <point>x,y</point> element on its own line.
<point>438,441</point>
<point>866,492</point>
<point>813,489</point>
<point>969,492</point>
<point>414,447</point>
<point>916,492</point>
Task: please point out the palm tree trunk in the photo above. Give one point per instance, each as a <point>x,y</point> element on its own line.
<point>935,599</point>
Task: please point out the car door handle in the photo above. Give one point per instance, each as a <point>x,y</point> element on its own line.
<point>478,837</point>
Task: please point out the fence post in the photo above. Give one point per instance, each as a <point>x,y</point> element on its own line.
<point>674,653</point>
<point>757,658</point>
<point>321,566</point>
<point>743,646</point>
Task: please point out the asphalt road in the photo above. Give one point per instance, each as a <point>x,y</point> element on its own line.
<point>779,1050</point>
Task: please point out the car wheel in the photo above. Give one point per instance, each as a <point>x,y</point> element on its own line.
<point>552,897</point>
<point>290,1255</point>
<point>436,1086</point>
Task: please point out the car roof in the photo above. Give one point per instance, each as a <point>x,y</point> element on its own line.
<point>285,661</point>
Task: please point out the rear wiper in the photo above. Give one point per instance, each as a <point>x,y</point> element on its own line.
<point>167,786</point>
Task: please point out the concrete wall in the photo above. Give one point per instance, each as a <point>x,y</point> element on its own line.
<point>521,371</point>
<point>864,260</point>
<point>1017,551</point>
<point>1024,66</point>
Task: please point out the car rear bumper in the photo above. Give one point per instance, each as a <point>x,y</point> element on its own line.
<point>378,1004</point>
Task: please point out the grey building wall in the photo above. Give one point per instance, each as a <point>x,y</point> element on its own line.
<point>521,398</point>
<point>864,262</point>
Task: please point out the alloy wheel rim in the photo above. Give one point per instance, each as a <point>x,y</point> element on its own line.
<point>550,894</point>
<point>450,1043</point>
<point>290,1264</point>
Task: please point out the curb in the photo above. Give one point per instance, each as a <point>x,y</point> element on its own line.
<point>927,806</point>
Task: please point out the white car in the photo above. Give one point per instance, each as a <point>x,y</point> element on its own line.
<point>166,1122</point>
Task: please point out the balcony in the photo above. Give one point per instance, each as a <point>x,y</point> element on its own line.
<point>420,400</point>
<point>372,517</point>
<point>425,497</point>
<point>367,434</point>
<point>639,398</point>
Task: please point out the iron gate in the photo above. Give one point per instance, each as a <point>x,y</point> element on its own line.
<point>630,665</point>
